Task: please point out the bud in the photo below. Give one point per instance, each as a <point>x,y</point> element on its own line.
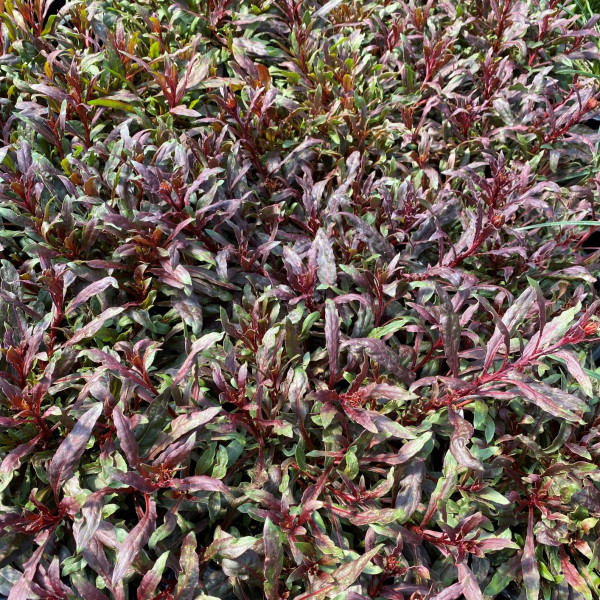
<point>498,220</point>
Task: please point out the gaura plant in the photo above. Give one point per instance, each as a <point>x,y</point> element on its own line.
<point>297,300</point>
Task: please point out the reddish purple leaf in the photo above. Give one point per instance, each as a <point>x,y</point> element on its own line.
<point>126,437</point>
<point>332,339</point>
<point>200,483</point>
<point>189,574</point>
<point>531,574</point>
<point>204,343</point>
<point>449,329</point>
<point>575,580</point>
<point>71,449</point>
<point>91,290</point>
<point>273,559</point>
<point>136,539</point>
<point>382,354</point>
<point>13,459</point>
<point>453,592</point>
<point>152,578</point>
<point>94,326</point>
<point>463,431</point>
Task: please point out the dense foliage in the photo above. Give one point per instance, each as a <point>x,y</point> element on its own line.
<point>294,300</point>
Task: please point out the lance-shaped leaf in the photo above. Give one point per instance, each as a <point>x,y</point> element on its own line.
<point>376,242</point>
<point>176,453</point>
<point>200,483</point>
<point>135,481</point>
<point>152,578</point>
<point>204,343</point>
<point>13,459</point>
<point>410,449</point>
<point>452,592</point>
<point>576,370</point>
<point>551,400</point>
<point>136,539</point>
<point>92,514</point>
<point>408,497</point>
<point>449,329</point>
<point>531,573</point>
<point>126,437</point>
<point>86,589</point>
<point>346,574</point>
<point>91,290</point>
<point>444,488</point>
<point>332,339</point>
<point>94,326</point>
<point>463,431</point>
<point>273,559</point>
<point>183,425</point>
<point>326,8</point>
<point>381,516</point>
<point>381,354</point>
<point>552,332</point>
<point>187,580</point>
<point>296,392</point>
<point>575,580</point>
<point>70,451</point>
<point>110,362</point>
<point>511,319</point>
<point>326,269</point>
<point>471,589</point>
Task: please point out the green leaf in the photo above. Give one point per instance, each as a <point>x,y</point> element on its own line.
<point>111,103</point>
<point>273,559</point>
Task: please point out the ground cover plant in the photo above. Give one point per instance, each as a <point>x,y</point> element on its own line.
<point>297,300</point>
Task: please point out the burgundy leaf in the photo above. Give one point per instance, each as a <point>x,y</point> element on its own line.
<point>273,560</point>
<point>332,339</point>
<point>187,580</point>
<point>505,328</point>
<point>551,400</point>
<point>200,483</point>
<point>450,330</point>
<point>576,370</point>
<point>94,326</point>
<point>463,431</point>
<point>183,425</point>
<point>380,353</point>
<point>471,589</point>
<point>409,492</point>
<point>92,513</point>
<point>136,539</point>
<point>13,459</point>
<point>576,581</point>
<point>453,592</point>
<point>326,269</point>
<point>126,437</point>
<point>109,362</point>
<point>135,481</point>
<point>152,578</point>
<point>71,449</point>
<point>204,343</point>
<point>91,290</point>
<point>531,574</point>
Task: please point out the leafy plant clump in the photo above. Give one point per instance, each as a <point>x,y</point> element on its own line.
<point>296,301</point>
